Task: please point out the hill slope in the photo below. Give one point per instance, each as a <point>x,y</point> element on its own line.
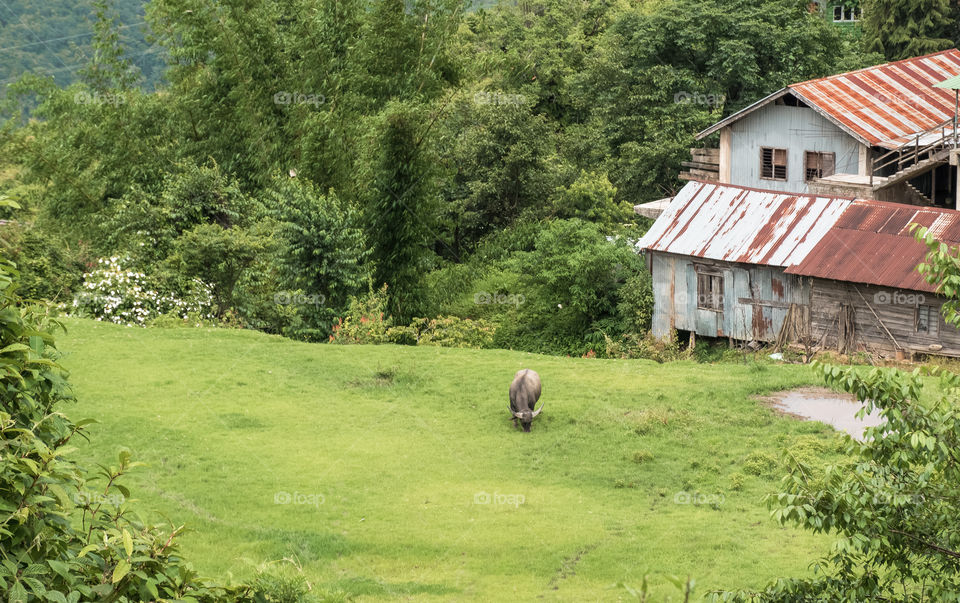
<point>53,37</point>
<point>394,471</point>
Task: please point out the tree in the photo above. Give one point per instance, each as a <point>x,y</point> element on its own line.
<point>321,254</point>
<point>402,201</point>
<point>894,504</point>
<point>901,29</point>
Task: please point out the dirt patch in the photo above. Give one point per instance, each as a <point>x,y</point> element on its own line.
<point>824,405</point>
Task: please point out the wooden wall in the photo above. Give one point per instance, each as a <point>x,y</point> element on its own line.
<point>884,318</point>
<point>755,298</point>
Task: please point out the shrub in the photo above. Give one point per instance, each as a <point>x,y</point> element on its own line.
<point>49,268</point>
<point>632,345</point>
<point>365,321</point>
<point>320,252</point>
<point>124,296</point>
<point>570,282</point>
<point>635,303</point>
<point>454,332</point>
<point>218,256</point>
<point>591,197</point>
<point>759,463</point>
<point>45,498</point>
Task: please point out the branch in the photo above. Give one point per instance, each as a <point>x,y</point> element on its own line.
<point>939,549</point>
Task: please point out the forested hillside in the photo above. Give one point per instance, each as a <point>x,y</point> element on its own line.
<point>54,37</point>
<point>304,154</point>
<point>458,173</point>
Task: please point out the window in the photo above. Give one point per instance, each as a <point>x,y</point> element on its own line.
<point>773,163</point>
<point>818,165</point>
<point>710,291</point>
<point>925,320</point>
<point>846,13</point>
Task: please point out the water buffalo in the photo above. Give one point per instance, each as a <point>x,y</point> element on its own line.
<point>524,393</point>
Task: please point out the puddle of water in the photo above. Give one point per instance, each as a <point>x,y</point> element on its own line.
<point>836,410</point>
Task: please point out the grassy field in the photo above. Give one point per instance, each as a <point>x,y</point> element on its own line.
<point>394,472</point>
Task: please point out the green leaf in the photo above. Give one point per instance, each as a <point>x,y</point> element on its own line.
<point>127,542</point>
<point>86,549</point>
<point>123,567</point>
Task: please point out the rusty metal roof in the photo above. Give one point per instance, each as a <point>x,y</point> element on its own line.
<point>739,224</point>
<point>871,243</point>
<point>885,105</point>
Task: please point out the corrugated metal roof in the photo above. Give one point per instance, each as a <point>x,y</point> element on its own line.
<point>738,224</point>
<point>885,105</point>
<point>871,243</point>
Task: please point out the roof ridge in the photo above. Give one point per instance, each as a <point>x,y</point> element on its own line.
<point>775,192</point>
<point>915,208</point>
<point>872,67</point>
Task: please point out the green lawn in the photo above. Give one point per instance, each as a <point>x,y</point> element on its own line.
<point>387,450</point>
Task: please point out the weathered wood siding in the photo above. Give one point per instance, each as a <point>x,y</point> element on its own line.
<point>881,315</point>
<point>796,129</point>
<point>755,298</point>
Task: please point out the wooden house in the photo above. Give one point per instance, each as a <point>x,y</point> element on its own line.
<point>718,256</point>
<point>865,291</point>
<point>884,132</point>
<point>826,272</point>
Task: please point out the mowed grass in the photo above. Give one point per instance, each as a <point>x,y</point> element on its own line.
<point>406,479</point>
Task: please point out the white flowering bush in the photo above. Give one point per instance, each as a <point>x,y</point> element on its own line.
<point>124,296</point>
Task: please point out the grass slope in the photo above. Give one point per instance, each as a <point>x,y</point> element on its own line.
<point>399,445</point>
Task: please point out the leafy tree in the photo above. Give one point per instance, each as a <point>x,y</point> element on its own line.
<point>569,282</point>
<point>901,29</point>
<point>660,76</point>
<point>502,158</point>
<point>893,507</point>
<point>322,251</point>
<point>591,197</point>
<point>402,201</point>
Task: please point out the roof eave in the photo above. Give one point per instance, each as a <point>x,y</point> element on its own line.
<point>742,113</point>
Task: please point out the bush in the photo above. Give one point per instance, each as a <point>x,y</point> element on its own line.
<point>128,297</point>
<point>454,332</point>
<point>49,268</point>
<point>320,252</point>
<point>45,497</point>
<point>635,303</point>
<point>365,321</point>
<point>217,256</point>
<point>592,198</point>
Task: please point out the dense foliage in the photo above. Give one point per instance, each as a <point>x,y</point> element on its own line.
<point>468,158</point>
